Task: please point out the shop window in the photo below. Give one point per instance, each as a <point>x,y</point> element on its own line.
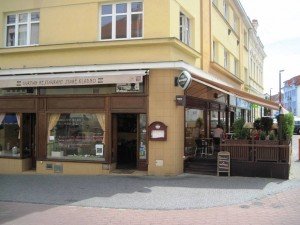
<point>93,90</point>
<point>185,29</point>
<point>22,29</point>
<point>77,136</point>
<point>122,21</point>
<point>10,134</point>
<point>194,128</point>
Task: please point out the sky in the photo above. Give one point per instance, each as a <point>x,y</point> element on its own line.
<point>279,31</point>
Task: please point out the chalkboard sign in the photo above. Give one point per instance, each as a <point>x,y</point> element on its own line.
<point>223,162</point>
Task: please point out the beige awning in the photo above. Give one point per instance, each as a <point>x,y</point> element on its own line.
<point>238,93</point>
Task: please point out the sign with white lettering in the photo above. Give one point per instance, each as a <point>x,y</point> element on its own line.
<point>67,80</point>
<point>184,80</point>
<point>223,165</point>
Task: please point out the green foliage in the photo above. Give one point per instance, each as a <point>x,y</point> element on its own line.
<point>288,126</point>
<point>238,130</point>
<point>262,135</point>
<point>266,124</point>
<point>272,136</point>
<point>256,124</point>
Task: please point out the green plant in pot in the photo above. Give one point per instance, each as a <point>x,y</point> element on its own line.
<point>262,135</point>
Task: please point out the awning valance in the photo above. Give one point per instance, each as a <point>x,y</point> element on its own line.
<point>239,93</point>
<point>72,79</point>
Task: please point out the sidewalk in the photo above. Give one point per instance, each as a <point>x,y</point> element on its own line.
<point>185,199</point>
<point>282,208</point>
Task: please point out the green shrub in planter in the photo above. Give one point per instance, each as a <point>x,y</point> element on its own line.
<point>272,136</point>
<point>287,126</point>
<point>262,135</point>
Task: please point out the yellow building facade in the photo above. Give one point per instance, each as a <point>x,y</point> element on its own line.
<point>87,79</point>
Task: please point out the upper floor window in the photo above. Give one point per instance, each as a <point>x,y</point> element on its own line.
<point>235,23</point>
<point>22,29</point>
<point>215,51</point>
<point>225,7</point>
<point>245,38</point>
<point>122,21</point>
<point>226,59</point>
<point>185,29</point>
<point>236,67</point>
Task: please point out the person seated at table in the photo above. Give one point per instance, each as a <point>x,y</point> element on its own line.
<point>217,136</point>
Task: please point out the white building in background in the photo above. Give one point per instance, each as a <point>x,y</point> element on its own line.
<point>291,100</point>
<point>256,62</point>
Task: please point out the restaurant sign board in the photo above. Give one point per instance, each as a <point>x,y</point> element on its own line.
<point>223,165</point>
<point>184,80</point>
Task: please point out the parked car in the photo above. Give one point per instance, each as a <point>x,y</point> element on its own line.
<point>297,125</point>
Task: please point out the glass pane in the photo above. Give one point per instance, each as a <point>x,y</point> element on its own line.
<point>9,135</point>
<point>106,9</point>
<point>194,129</point>
<point>35,16</point>
<point>143,137</point>
<point>122,8</point>
<point>106,27</point>
<point>11,19</point>
<point>214,120</point>
<point>10,36</point>
<point>136,7</point>
<point>22,35</point>
<point>23,18</point>
<point>78,136</point>
<point>17,91</point>
<point>136,25</point>
<point>121,26</point>
<point>34,36</point>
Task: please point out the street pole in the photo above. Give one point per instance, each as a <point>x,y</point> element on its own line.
<point>279,94</point>
<point>270,94</point>
<point>280,116</point>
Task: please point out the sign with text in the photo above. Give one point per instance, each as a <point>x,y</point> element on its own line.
<point>67,80</point>
<point>223,165</point>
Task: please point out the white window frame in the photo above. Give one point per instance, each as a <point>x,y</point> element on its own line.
<point>17,24</point>
<point>114,20</point>
<point>236,67</point>
<point>215,51</point>
<point>226,59</point>
<point>185,29</point>
<point>225,7</point>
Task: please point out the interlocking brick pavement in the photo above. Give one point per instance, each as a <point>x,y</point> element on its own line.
<point>281,208</point>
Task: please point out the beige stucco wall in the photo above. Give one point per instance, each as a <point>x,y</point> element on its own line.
<point>14,165</point>
<point>162,107</point>
<point>72,168</point>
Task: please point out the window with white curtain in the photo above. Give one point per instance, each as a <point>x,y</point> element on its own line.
<point>76,136</point>
<point>121,21</point>
<point>185,29</point>
<point>22,29</point>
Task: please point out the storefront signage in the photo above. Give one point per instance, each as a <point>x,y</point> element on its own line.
<point>158,131</point>
<point>243,104</point>
<point>184,80</point>
<point>68,80</point>
<point>223,165</point>
<point>129,87</point>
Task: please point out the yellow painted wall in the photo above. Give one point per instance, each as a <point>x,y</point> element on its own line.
<point>72,168</point>
<point>162,107</point>
<point>14,165</point>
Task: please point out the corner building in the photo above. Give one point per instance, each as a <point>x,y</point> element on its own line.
<point>88,87</point>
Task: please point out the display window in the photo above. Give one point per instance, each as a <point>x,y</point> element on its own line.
<point>10,134</point>
<point>76,136</point>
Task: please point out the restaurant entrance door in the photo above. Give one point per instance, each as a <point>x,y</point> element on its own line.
<point>28,137</point>
<point>126,140</point>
